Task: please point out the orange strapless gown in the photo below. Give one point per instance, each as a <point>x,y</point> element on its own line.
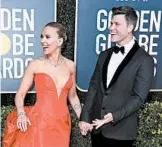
<point>49,117</point>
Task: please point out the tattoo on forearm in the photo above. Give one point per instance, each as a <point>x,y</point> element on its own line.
<point>76,106</point>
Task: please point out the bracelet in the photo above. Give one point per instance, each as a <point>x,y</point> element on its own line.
<point>76,106</point>
<point>21,113</point>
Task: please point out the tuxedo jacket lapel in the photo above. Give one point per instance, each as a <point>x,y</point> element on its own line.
<point>120,68</point>
<point>104,68</point>
<point>124,63</point>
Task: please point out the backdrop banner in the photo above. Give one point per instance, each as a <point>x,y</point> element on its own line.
<point>21,24</point>
<point>93,18</point>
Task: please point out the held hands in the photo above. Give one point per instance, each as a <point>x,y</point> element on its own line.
<point>22,121</point>
<point>97,123</point>
<point>85,127</point>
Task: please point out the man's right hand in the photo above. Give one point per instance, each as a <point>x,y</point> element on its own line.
<point>85,127</point>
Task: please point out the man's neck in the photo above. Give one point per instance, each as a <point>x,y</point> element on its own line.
<point>125,40</point>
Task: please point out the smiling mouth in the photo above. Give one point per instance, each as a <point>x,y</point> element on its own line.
<point>113,33</point>
<point>44,48</point>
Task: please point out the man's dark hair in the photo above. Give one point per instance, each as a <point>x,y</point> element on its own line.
<point>129,12</point>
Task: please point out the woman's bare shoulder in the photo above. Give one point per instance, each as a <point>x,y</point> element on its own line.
<point>42,58</point>
<point>35,63</point>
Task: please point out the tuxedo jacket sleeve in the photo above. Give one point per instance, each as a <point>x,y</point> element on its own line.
<point>140,90</point>
<point>90,98</point>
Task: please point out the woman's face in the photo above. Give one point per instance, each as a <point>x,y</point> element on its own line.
<point>50,40</point>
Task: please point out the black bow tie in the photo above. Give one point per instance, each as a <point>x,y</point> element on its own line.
<point>117,49</point>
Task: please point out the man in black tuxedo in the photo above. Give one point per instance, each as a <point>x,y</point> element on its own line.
<point>119,85</point>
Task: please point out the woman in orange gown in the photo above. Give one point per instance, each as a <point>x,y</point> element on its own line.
<point>47,123</point>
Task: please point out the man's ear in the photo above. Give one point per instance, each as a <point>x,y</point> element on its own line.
<point>130,27</point>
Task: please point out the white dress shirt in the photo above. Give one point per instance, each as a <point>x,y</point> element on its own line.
<point>116,60</point>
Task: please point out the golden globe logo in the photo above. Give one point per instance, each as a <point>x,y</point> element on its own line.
<point>5,44</point>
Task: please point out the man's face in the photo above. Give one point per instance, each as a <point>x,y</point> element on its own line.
<point>119,29</point>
